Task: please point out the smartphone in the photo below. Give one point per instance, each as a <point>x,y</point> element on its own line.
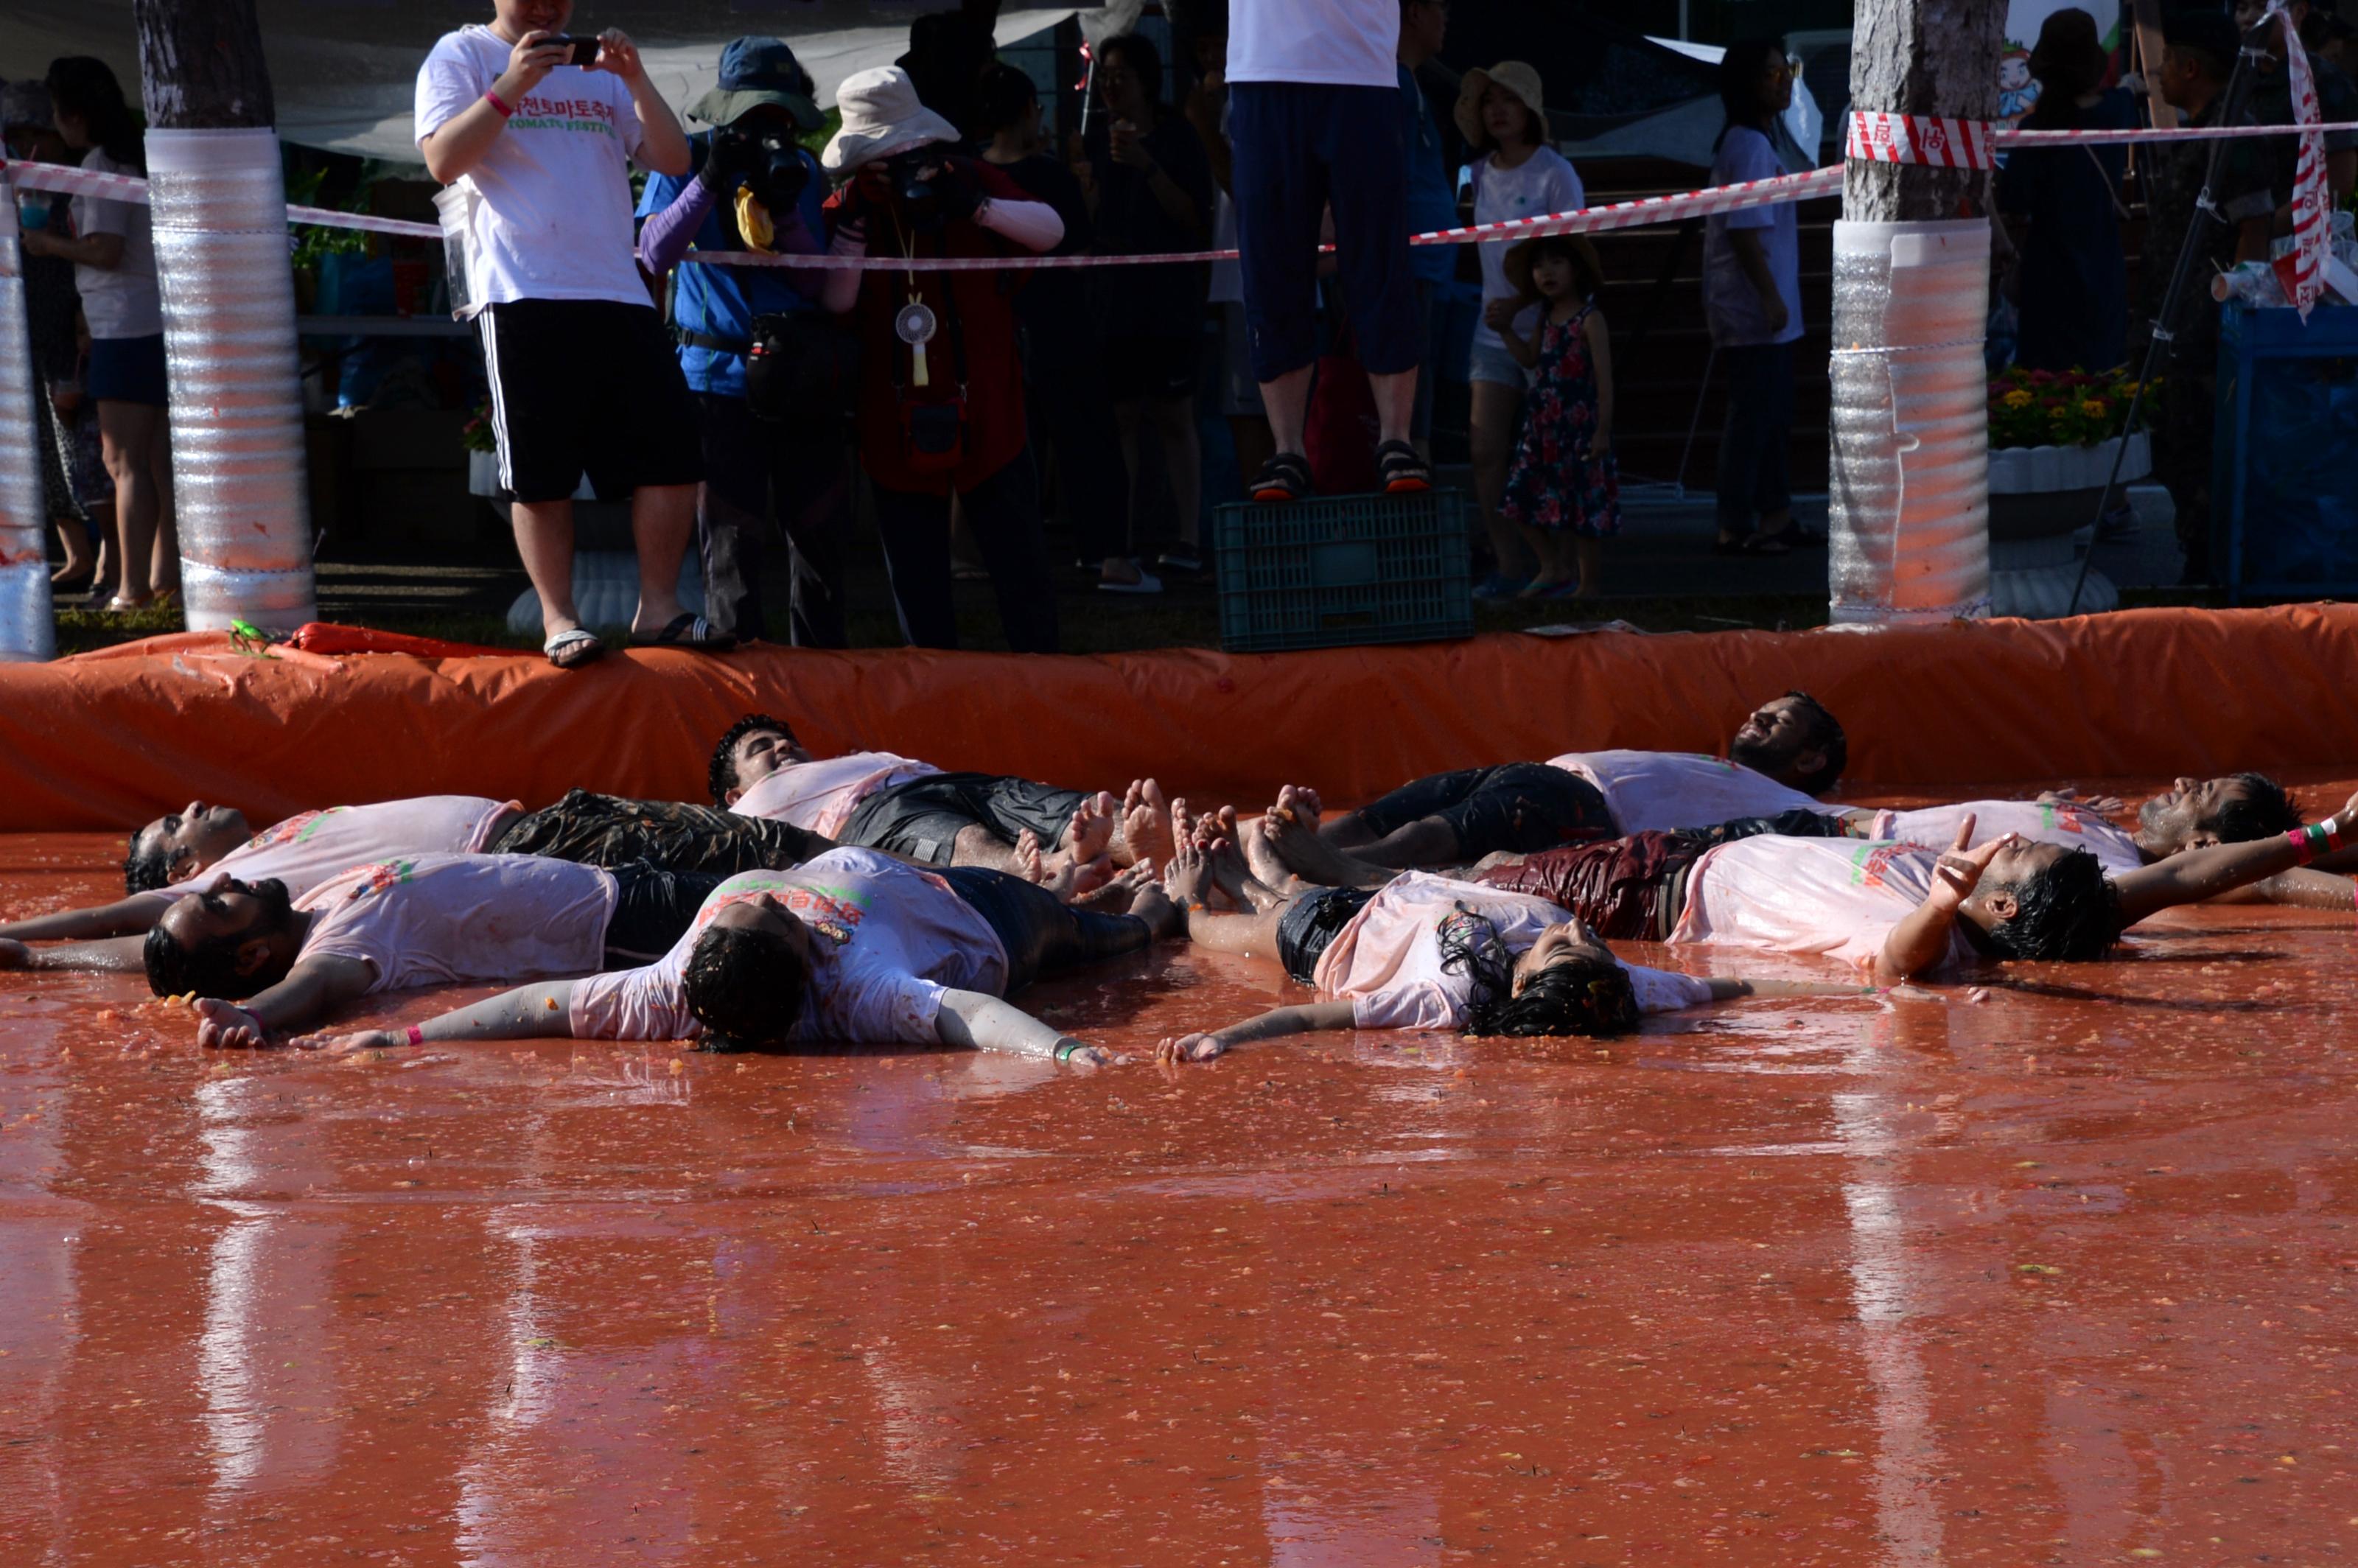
<point>585,51</point>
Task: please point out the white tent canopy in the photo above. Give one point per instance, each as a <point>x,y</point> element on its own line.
<point>345,70</point>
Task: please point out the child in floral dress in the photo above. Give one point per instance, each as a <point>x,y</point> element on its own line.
<point>1563,489</point>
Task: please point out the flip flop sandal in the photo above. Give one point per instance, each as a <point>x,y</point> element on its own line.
<point>690,631</point>
<point>1403,472</point>
<point>572,648</point>
<point>1285,477</point>
<point>1180,558</point>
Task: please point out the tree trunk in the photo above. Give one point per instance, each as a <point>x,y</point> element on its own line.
<point>200,65</point>
<point>1923,56</point>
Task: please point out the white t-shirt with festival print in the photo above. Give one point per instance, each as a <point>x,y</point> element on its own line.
<point>1837,897</point>
<point>308,848</point>
<point>430,919</point>
<point>552,215</point>
<point>2037,822</point>
<point>1658,791</point>
<point>888,939</point>
<point>1387,961</point>
<point>821,795</point>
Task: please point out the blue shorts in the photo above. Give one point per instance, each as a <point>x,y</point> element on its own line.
<point>127,369</point>
<point>1300,146</point>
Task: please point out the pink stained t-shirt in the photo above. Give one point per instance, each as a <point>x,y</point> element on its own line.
<point>1836,897</point>
<point>821,795</point>
<point>1658,791</point>
<point>308,848</point>
<point>449,919</point>
<point>889,940</point>
<point>2037,822</point>
<point>1387,961</point>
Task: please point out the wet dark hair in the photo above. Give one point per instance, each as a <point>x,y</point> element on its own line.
<point>745,987</point>
<point>2265,812</point>
<point>1591,997</point>
<point>84,87</point>
<point>2069,911</point>
<point>1739,83</point>
<point>1138,51</point>
<point>207,969</point>
<point>721,774</point>
<point>1001,93</point>
<point>147,871</point>
<point>1824,736</point>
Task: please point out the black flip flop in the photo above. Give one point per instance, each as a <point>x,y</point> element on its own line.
<point>690,631</point>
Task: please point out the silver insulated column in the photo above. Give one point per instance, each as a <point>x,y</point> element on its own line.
<point>220,208</point>
<point>25,629</point>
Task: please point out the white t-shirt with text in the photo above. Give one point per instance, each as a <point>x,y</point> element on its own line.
<point>1340,43</point>
<point>821,795</point>
<point>313,846</point>
<point>1652,792</point>
<point>889,940</point>
<point>450,919</point>
<point>1835,897</point>
<point>2037,822</point>
<point>119,302</point>
<point>1387,961</point>
<point>1542,183</point>
<point>553,218</point>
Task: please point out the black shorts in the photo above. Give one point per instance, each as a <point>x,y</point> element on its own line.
<point>1309,924</point>
<point>1042,936</point>
<point>1150,367</point>
<point>1519,807</point>
<point>653,910</point>
<point>610,830</point>
<point>587,386</point>
<point>922,817</point>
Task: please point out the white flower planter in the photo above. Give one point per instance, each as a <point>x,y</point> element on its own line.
<point>2042,511</point>
<point>2022,470</point>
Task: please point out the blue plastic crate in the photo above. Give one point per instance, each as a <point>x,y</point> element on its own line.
<point>1336,571</point>
<point>2284,507</point>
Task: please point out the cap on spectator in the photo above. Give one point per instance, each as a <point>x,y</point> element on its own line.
<point>2210,34</point>
<point>1517,78</point>
<point>25,103</point>
<point>2068,58</point>
<point>754,72</point>
<point>882,117</point>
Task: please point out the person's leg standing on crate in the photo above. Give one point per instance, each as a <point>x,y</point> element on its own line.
<point>1314,115</point>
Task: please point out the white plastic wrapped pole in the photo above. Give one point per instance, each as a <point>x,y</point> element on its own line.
<point>27,632</point>
<point>219,204</point>
<point>1907,513</point>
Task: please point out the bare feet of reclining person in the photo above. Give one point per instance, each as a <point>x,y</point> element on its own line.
<point>1143,832</point>
<point>1292,833</point>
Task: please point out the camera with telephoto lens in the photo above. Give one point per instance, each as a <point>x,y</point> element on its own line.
<point>769,161</point>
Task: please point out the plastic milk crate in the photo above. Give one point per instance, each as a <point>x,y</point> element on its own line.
<point>1333,571</point>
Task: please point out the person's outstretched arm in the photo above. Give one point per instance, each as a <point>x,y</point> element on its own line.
<point>112,953</point>
<point>983,1022</point>
<point>2193,875</point>
<point>311,987</point>
<point>1305,1019</point>
<point>124,917</point>
<point>542,1010</point>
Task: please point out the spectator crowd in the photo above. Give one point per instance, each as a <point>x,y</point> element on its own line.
<point>719,397</point>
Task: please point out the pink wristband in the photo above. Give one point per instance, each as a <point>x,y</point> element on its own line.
<point>416,1035</point>
<point>494,101</point>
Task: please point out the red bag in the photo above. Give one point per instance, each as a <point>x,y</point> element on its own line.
<point>1340,431</point>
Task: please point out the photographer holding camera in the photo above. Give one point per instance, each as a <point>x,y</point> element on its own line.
<point>540,129</point>
<point>941,391</point>
<point>755,188</point>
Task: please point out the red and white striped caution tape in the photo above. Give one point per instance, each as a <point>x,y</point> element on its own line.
<point>1931,139</point>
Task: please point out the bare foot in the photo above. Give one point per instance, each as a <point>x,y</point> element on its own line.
<point>1229,873</point>
<point>1162,917</point>
<point>1114,896</point>
<point>1301,803</point>
<point>1146,824</point>
<point>1051,872</point>
<point>1188,875</point>
<point>1297,845</point>
<point>1090,832</point>
<point>1261,859</point>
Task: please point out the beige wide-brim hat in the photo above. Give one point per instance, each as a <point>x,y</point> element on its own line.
<point>882,115</point>
<point>1522,81</point>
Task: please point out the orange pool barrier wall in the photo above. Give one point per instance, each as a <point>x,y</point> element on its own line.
<point>109,739</point>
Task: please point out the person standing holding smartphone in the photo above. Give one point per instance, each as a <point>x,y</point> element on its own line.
<point>583,377</point>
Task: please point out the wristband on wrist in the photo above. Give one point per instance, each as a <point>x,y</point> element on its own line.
<point>416,1035</point>
<point>496,101</point>
<point>1065,1051</point>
